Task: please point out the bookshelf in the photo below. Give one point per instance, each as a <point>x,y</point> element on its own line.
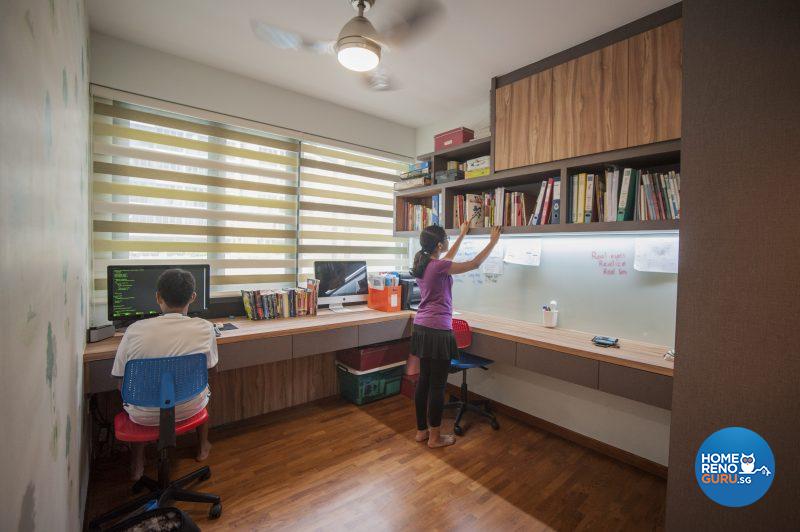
<point>657,156</point>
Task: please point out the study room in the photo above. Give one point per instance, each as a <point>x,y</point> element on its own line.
<point>399,265</point>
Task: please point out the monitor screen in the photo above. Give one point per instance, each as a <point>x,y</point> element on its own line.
<point>341,278</point>
<point>132,290</point>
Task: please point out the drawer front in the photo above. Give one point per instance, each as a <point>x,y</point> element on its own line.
<point>636,384</point>
<point>385,331</point>
<point>497,349</point>
<point>254,352</point>
<point>313,343</point>
<point>99,376</point>
<point>562,366</point>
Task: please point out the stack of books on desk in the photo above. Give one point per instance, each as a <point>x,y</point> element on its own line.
<point>284,303</point>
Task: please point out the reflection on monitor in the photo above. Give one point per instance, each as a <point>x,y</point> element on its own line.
<point>341,281</point>
<point>132,290</point>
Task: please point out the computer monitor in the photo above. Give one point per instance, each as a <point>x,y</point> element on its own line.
<point>132,290</point>
<point>341,281</point>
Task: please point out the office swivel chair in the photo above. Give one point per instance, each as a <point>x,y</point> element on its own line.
<point>162,383</point>
<point>464,362</point>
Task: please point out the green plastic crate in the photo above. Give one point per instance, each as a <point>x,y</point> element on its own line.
<point>361,387</point>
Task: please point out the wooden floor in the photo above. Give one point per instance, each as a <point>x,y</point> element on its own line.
<point>331,465</point>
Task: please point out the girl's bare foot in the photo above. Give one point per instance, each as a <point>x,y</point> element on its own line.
<point>203,450</point>
<point>421,436</point>
<point>437,439</point>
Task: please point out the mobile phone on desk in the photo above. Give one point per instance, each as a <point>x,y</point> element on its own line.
<point>605,341</point>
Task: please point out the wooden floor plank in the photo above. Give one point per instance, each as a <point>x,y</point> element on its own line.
<point>331,465</point>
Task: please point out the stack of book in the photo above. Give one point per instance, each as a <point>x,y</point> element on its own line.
<point>284,303</point>
<point>548,203</point>
<point>497,207</point>
<point>418,175</point>
<point>624,195</point>
<point>418,217</point>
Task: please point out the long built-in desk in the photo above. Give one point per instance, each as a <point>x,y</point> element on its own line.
<point>300,350</point>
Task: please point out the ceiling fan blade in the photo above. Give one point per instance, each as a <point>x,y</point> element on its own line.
<point>289,40</point>
<point>379,79</point>
<point>415,21</point>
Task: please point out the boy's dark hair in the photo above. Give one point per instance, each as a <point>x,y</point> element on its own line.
<point>175,287</point>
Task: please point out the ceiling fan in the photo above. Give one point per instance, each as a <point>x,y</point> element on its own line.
<point>359,45</point>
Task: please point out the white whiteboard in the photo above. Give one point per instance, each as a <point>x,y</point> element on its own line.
<point>592,278</point>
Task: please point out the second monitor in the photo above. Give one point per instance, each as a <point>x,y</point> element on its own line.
<point>341,281</point>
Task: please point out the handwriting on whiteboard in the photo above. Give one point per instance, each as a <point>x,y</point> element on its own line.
<point>611,263</point>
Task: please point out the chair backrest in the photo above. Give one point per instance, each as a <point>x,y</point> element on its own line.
<point>148,382</point>
<point>462,333</point>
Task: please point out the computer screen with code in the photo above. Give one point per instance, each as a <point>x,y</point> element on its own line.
<point>132,290</point>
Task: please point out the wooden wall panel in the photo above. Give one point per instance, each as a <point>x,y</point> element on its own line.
<point>524,122</point>
<point>266,388</point>
<point>654,84</point>
<point>590,102</point>
<point>314,377</point>
<point>225,405</point>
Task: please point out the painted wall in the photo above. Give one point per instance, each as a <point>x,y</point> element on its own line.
<point>44,260</point>
<point>476,118</point>
<point>130,67</point>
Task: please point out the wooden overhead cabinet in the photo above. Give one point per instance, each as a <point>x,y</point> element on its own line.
<point>654,84</point>
<point>590,96</point>
<point>524,122</point>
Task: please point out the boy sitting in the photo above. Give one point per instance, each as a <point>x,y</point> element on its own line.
<point>171,334</point>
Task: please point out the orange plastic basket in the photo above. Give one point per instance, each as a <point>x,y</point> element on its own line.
<point>386,300</point>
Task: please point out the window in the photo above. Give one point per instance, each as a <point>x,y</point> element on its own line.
<point>170,188</point>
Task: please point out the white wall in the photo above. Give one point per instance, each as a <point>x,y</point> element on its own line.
<point>130,67</point>
<point>475,118</point>
<point>44,260</point>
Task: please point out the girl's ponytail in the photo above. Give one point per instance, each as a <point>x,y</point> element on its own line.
<point>429,238</point>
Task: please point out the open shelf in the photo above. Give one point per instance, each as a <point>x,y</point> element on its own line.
<point>462,152</point>
<point>596,227</point>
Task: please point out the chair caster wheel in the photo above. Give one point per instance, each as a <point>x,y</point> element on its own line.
<point>216,511</point>
<point>495,425</point>
<point>458,430</point>
<point>205,477</point>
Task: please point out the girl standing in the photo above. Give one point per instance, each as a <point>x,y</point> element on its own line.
<point>432,339</point>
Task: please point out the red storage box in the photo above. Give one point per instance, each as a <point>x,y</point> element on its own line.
<point>374,356</point>
<point>387,300</point>
<point>412,365</point>
<point>451,138</point>
<point>408,386</point>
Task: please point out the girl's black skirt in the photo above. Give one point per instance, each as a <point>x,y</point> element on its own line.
<point>433,343</point>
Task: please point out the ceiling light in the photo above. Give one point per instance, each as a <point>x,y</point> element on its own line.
<point>358,53</point>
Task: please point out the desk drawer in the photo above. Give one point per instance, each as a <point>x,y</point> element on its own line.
<point>254,352</point>
<point>562,366</point>
<point>385,331</point>
<point>316,342</point>
<point>99,377</point>
<point>497,349</point>
<point>642,386</point>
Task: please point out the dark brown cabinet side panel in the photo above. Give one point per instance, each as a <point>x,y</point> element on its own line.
<point>654,84</point>
<point>636,384</point>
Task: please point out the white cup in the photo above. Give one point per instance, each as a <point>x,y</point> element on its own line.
<point>549,318</point>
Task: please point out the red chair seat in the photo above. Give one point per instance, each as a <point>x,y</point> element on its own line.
<point>127,430</point>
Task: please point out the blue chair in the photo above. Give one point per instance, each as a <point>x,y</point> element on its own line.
<point>464,362</point>
<point>162,383</point>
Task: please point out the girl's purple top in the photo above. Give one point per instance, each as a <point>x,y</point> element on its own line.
<point>436,296</point>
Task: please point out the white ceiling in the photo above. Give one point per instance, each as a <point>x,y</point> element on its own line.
<point>447,69</point>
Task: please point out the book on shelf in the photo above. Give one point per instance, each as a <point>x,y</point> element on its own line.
<point>496,207</point>
<point>417,217</point>
<point>282,303</point>
<point>626,194</point>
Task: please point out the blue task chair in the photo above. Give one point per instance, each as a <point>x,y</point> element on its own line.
<point>162,383</point>
<point>464,362</point>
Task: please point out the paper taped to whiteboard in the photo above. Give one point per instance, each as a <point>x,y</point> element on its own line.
<point>656,255</point>
<point>525,252</point>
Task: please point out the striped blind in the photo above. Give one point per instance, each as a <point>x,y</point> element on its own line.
<point>346,209</point>
<point>168,188</point>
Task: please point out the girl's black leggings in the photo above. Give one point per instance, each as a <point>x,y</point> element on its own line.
<point>430,391</point>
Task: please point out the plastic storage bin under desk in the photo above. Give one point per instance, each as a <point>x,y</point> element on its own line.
<point>361,387</point>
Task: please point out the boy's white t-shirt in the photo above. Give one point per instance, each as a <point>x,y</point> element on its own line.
<point>165,336</point>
